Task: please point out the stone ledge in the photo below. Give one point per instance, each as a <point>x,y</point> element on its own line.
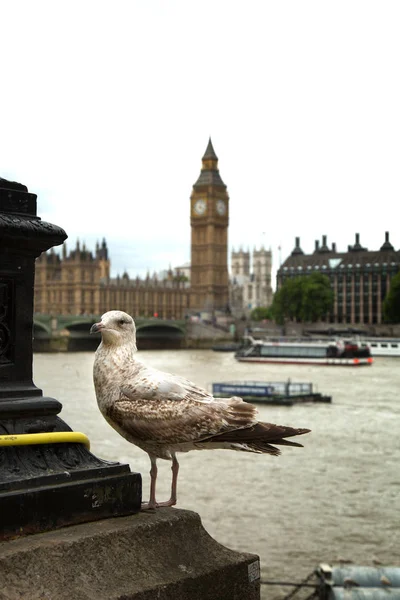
<point>163,555</point>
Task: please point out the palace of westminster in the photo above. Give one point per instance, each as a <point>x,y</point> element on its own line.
<point>79,281</point>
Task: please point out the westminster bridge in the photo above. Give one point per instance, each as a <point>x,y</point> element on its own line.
<point>71,332</point>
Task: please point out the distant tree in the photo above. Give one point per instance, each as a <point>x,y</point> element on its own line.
<point>287,301</point>
<point>180,277</point>
<point>303,299</point>
<point>391,304</point>
<point>261,313</point>
<point>317,297</point>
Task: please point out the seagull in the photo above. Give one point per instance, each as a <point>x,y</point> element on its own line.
<point>164,414</point>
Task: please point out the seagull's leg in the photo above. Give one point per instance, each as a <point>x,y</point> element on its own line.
<point>153,478</point>
<point>175,471</point>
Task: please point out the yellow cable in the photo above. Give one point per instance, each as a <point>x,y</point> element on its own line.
<point>59,437</point>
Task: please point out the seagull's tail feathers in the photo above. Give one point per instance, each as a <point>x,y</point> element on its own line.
<point>237,412</point>
<point>260,438</point>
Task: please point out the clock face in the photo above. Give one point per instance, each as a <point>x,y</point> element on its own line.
<point>200,207</point>
<point>221,207</point>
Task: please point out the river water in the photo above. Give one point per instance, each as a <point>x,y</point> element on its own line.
<point>335,499</point>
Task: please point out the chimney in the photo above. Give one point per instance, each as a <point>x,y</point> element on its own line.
<point>324,247</point>
<point>387,245</point>
<point>297,249</point>
<point>357,239</point>
<point>316,245</point>
<point>334,247</point>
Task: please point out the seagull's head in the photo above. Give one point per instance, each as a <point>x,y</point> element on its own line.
<point>117,328</point>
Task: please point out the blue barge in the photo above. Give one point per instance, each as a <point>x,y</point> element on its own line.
<point>271,392</point>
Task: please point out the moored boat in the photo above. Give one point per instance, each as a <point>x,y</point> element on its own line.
<point>382,346</point>
<point>311,352</point>
<point>271,392</point>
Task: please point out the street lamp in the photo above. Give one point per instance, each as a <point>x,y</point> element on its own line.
<point>58,482</point>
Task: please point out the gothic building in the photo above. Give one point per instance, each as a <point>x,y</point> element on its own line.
<point>251,280</point>
<point>360,278</point>
<point>79,282</point>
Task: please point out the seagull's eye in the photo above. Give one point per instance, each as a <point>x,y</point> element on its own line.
<point>121,322</point>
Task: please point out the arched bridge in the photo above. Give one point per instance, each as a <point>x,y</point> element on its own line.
<point>72,332</point>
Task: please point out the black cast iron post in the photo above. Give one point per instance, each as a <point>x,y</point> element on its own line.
<point>48,485</point>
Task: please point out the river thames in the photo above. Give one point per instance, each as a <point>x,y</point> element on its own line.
<point>335,499</point>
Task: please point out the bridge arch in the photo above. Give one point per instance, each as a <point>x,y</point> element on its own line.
<point>80,326</point>
<point>40,329</point>
<point>161,324</point>
<point>151,332</point>
<point>159,334</point>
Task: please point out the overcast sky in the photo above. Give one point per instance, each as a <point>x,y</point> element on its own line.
<point>107,107</point>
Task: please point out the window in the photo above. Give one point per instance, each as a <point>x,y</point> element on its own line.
<point>394,345</point>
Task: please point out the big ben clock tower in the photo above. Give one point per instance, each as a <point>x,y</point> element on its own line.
<point>209,219</point>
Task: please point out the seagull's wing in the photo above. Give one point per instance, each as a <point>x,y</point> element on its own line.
<point>165,409</point>
<point>152,384</point>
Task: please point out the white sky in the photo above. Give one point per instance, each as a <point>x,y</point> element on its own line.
<point>106,109</point>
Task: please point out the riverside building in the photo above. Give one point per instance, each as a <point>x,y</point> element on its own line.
<point>360,278</point>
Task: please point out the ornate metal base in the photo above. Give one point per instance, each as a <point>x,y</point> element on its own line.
<point>52,485</point>
<point>89,495</point>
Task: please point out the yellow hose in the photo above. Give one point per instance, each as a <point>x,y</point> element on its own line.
<point>59,437</point>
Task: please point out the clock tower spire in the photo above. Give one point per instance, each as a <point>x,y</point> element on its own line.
<point>209,219</point>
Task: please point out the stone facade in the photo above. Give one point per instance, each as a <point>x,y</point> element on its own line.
<point>250,280</point>
<point>79,282</point>
<point>360,278</point>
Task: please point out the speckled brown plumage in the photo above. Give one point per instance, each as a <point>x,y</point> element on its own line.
<point>163,413</point>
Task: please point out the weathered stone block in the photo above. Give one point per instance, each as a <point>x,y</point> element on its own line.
<point>166,554</point>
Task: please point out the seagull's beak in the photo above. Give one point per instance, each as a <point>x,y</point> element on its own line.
<point>96,327</point>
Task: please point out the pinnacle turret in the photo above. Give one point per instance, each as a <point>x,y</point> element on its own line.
<point>210,152</point>
<point>209,174</point>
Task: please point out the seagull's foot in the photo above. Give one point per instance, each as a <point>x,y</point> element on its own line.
<point>170,502</point>
<point>148,505</point>
<point>152,505</point>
